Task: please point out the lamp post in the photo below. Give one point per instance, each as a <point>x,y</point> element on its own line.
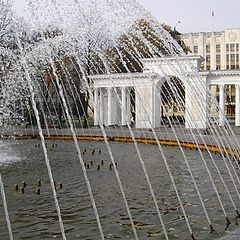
<point>176,25</point>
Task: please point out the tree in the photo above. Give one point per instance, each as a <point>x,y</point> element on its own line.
<point>177,36</point>
<point>5,19</point>
<point>141,41</point>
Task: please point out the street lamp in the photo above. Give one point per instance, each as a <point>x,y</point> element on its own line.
<point>176,25</point>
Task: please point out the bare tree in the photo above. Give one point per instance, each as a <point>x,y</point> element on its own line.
<point>5,18</point>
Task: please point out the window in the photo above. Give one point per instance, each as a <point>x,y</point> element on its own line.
<point>227,58</point>
<point>218,48</point>
<point>208,48</point>
<point>237,47</point>
<point>195,49</point>
<point>227,66</point>
<point>208,58</point>
<point>237,61</point>
<point>227,47</point>
<point>207,68</point>
<point>232,47</point>
<point>218,62</point>
<point>232,61</point>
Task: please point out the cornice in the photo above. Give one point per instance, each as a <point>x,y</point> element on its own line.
<point>122,76</point>
<point>168,59</point>
<point>220,73</point>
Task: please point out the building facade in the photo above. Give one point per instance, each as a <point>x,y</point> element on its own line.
<point>219,49</point>
<point>221,52</point>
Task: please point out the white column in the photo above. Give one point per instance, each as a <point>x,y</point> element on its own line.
<point>128,106</point>
<point>221,105</point>
<point>96,107</point>
<point>237,106</point>
<point>109,110</point>
<point>124,106</point>
<point>101,108</point>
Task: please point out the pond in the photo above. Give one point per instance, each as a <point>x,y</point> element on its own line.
<point>34,216</point>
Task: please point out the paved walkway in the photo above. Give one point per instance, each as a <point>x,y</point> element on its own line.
<point>180,133</point>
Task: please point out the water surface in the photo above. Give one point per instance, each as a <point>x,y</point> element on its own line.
<point>34,216</point>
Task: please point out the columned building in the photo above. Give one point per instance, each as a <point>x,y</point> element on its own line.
<point>221,52</point>
<point>219,49</point>
<point>112,93</point>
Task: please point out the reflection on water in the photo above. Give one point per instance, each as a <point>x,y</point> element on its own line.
<point>34,216</point>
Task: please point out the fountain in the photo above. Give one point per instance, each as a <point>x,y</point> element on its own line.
<point>89,134</point>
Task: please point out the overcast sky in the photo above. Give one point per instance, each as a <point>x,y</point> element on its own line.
<point>194,15</point>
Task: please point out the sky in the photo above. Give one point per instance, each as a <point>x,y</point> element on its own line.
<point>196,15</point>
<point>189,15</point>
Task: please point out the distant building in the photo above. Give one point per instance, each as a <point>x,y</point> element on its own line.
<point>221,52</point>
<point>219,49</point>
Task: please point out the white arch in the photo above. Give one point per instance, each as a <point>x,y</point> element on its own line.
<point>187,69</point>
